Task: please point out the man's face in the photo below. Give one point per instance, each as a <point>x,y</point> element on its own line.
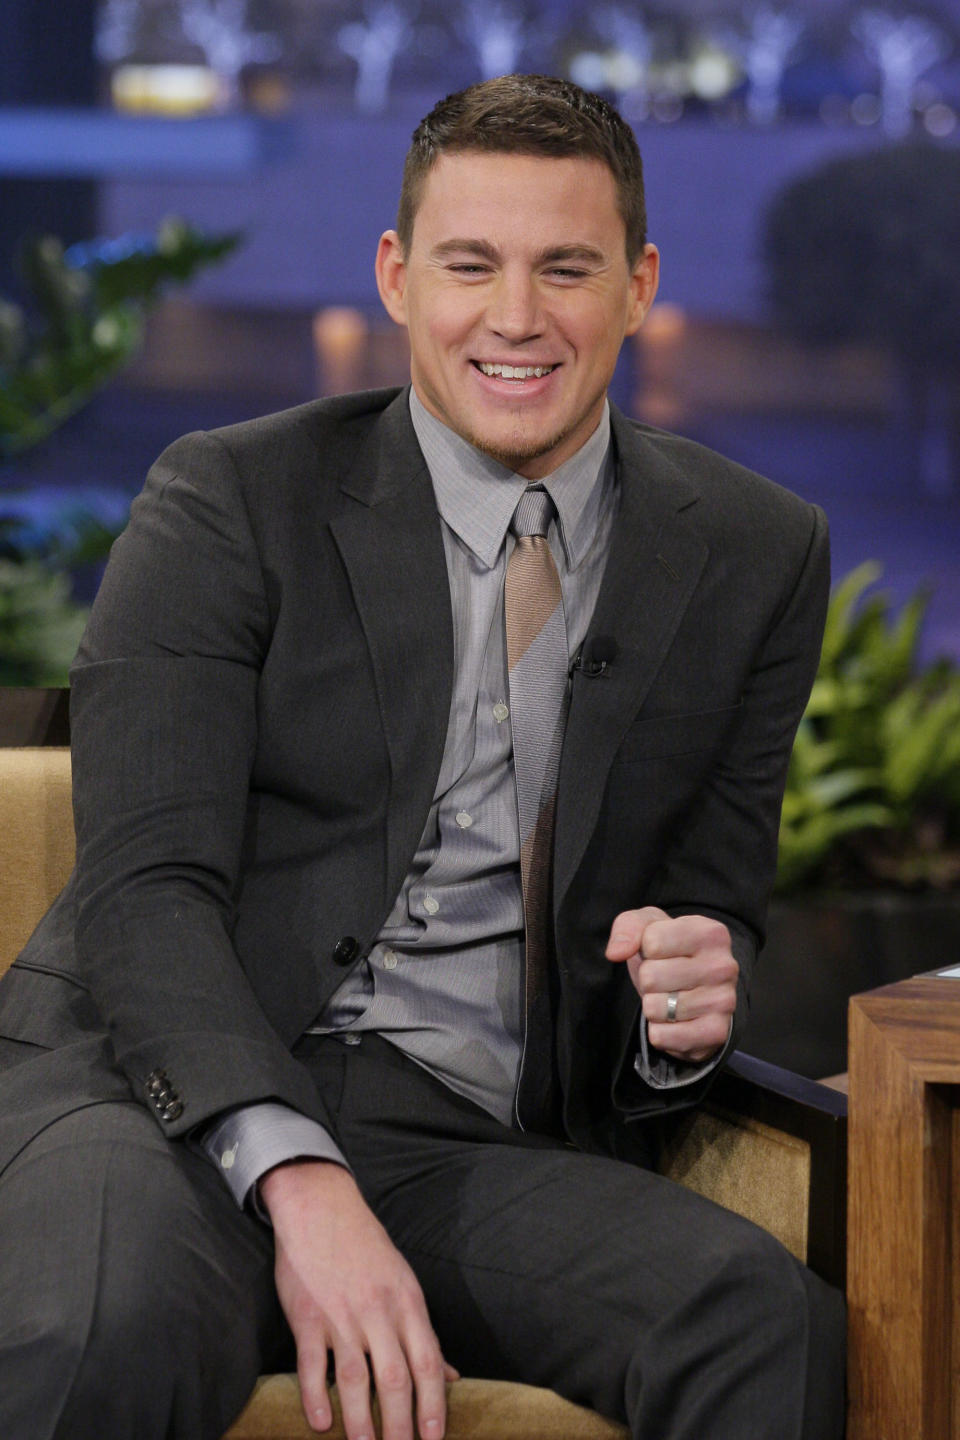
<point>517,295</point>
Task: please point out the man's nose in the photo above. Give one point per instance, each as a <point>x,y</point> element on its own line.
<point>514,311</point>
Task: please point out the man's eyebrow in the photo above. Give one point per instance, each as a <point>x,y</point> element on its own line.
<point>551,255</point>
<point>559,254</point>
<point>481,248</point>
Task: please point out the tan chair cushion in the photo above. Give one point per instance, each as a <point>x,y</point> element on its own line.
<point>476,1410</point>
<point>36,840</point>
<point>746,1166</point>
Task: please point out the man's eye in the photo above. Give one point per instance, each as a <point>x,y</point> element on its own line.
<point>567,272</point>
<point>469,269</point>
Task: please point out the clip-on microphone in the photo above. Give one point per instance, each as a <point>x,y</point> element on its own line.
<point>595,656</point>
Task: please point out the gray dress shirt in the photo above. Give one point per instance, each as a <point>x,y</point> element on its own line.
<point>444,980</point>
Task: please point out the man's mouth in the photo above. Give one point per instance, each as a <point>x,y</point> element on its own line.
<point>514,372</point>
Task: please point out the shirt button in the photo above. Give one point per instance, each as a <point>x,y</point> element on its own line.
<point>389,960</point>
<point>464,820</point>
<point>500,712</point>
<point>430,905</point>
<point>350,1039</point>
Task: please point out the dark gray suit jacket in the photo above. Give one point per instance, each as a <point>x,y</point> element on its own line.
<point>259,711</point>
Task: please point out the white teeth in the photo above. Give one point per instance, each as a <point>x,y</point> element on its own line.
<point>515,372</point>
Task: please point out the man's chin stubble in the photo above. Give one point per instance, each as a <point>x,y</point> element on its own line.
<point>520,453</point>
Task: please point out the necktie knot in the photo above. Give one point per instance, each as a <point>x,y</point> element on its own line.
<point>533,514</point>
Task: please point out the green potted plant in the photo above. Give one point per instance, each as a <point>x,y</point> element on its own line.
<point>869,876</point>
<point>84,321</point>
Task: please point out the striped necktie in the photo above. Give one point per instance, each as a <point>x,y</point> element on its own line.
<point>537,661</point>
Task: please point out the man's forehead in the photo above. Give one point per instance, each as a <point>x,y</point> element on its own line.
<point>481,197</point>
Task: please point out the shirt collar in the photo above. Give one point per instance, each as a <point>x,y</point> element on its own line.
<point>477,496</point>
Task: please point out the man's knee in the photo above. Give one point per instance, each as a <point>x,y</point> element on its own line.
<point>766,1294</point>
<point>755,1341</point>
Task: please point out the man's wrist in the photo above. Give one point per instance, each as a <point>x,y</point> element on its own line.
<point>287,1185</point>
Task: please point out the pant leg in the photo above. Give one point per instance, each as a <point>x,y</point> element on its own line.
<point>138,1301</point>
<point>596,1278</point>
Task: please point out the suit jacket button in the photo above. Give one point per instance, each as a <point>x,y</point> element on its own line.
<point>345,950</point>
<point>171,1111</point>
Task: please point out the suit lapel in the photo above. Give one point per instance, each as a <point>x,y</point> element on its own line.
<point>655,561</point>
<point>391,545</point>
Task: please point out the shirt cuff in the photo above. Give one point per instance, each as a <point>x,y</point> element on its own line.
<point>663,1072</point>
<point>245,1143</point>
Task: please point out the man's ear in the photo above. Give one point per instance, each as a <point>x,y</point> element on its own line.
<point>643,287</point>
<point>391,271</point>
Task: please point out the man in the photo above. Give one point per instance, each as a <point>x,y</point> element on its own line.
<point>342,936</point>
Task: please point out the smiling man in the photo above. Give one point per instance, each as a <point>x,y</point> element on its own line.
<point>428,754</point>
<point>517,283</point>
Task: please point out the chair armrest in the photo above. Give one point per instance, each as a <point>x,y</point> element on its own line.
<point>31,715</point>
<point>748,1075</point>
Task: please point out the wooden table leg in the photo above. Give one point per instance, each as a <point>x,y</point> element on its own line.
<point>904,1192</point>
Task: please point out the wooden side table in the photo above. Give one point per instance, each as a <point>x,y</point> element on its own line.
<point>903,1240</point>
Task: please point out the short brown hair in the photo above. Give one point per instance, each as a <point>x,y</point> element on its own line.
<point>528,115</point>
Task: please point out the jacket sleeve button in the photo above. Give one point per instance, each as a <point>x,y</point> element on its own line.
<point>345,950</point>
<point>172,1111</point>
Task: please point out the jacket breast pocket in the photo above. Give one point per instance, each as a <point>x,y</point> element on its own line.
<point>663,736</point>
<point>45,1007</point>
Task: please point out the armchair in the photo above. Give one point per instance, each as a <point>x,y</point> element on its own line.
<point>767,1144</point>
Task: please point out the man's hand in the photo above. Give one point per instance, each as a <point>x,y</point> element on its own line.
<point>345,1287</point>
<point>689,958</point>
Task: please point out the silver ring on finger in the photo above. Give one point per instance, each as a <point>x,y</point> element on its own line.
<point>673,1000</point>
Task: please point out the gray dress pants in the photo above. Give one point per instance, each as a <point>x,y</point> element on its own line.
<point>137,1302</point>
